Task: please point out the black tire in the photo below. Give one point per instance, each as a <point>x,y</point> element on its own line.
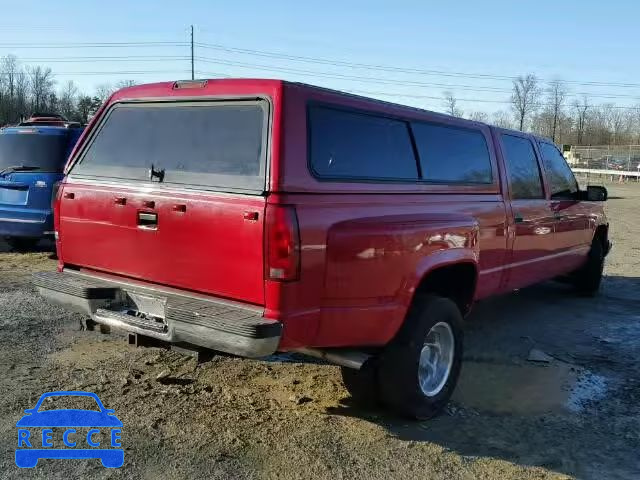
<point>362,384</point>
<point>22,244</point>
<point>398,384</point>
<point>588,278</point>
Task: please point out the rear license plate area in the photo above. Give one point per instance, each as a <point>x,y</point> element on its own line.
<point>13,196</point>
<point>145,307</point>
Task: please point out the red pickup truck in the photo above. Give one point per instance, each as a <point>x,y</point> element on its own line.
<point>255,216</point>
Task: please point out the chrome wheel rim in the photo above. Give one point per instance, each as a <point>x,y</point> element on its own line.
<point>436,359</point>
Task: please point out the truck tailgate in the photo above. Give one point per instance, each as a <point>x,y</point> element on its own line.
<point>206,242</point>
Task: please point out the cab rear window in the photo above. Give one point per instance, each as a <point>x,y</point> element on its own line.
<point>210,144</point>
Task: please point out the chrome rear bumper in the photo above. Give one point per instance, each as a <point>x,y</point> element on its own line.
<point>165,314</point>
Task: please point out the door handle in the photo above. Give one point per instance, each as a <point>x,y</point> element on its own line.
<point>518,218</point>
<point>120,201</point>
<point>69,195</point>
<point>148,221</point>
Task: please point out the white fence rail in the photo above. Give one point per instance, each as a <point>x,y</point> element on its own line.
<point>613,174</point>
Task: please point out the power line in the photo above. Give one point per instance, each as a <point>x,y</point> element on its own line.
<point>298,71</point>
<point>390,68</point>
<point>94,45</point>
<point>115,72</point>
<point>154,58</point>
<point>418,96</point>
<point>301,58</point>
<point>429,97</point>
<point>130,58</point>
<point>383,81</point>
<point>348,77</point>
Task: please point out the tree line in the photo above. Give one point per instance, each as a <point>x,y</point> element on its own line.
<point>26,89</point>
<point>547,109</point>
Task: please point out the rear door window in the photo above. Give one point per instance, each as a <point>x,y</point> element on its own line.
<point>43,152</point>
<point>210,144</point>
<point>560,177</point>
<point>523,169</point>
<point>350,145</point>
<point>452,154</point>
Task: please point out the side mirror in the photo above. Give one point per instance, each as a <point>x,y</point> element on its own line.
<point>30,410</point>
<point>596,193</point>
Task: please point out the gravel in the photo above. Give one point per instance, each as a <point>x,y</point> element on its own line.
<point>576,416</point>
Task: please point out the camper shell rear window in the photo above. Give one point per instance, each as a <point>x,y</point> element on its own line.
<point>218,145</point>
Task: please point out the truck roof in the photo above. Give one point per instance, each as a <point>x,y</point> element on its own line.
<point>204,87</point>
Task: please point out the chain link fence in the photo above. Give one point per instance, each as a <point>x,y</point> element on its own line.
<point>605,157</point>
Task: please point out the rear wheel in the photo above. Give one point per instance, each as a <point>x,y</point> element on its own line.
<point>22,244</point>
<point>588,278</point>
<point>419,369</point>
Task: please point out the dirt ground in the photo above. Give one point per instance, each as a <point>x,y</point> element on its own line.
<point>576,416</point>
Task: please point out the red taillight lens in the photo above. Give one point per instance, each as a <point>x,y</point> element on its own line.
<point>283,244</point>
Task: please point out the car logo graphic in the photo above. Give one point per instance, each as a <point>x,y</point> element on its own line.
<point>33,445</point>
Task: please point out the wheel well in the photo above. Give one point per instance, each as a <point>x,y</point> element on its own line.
<point>457,282</point>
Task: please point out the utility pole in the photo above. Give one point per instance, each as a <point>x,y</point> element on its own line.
<point>193,73</point>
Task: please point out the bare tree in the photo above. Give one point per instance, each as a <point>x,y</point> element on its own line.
<point>636,124</point>
<point>104,91</point>
<point>10,68</point>
<point>617,122</point>
<point>501,119</point>
<point>21,95</point>
<point>41,83</point>
<point>450,104</point>
<point>557,94</point>
<point>597,125</point>
<point>125,84</point>
<point>524,97</point>
<point>580,108</point>
<point>68,98</point>
<point>479,117</point>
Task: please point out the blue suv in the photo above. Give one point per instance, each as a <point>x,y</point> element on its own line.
<point>32,159</point>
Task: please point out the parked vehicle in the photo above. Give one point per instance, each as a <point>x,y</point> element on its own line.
<point>254,216</point>
<point>48,119</point>
<point>31,164</point>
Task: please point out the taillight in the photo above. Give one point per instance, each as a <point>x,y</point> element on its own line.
<point>282,259</point>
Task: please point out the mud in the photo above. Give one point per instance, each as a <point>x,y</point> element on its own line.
<point>575,416</point>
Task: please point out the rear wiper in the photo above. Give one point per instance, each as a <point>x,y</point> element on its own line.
<point>18,168</point>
